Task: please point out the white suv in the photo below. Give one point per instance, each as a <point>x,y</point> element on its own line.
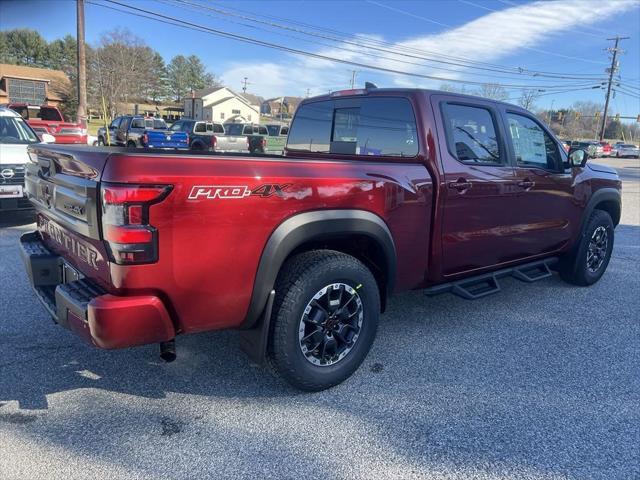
<point>15,136</point>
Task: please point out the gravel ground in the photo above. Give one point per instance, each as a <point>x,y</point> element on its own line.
<point>540,381</point>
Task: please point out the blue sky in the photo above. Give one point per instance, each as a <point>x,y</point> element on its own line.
<point>453,39</point>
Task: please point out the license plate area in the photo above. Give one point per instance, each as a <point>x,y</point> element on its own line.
<point>10,191</point>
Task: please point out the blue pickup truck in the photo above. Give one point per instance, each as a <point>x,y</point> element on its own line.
<point>138,131</point>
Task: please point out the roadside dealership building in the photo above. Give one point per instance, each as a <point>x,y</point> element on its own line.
<point>35,86</point>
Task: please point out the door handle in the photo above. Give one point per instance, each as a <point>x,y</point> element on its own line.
<point>460,185</point>
<point>526,183</point>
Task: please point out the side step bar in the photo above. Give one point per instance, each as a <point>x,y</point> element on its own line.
<point>486,284</point>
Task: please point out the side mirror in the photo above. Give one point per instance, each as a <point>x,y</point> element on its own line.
<point>47,138</point>
<point>578,158</point>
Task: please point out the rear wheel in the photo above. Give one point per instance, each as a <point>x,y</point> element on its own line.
<point>591,256</point>
<point>324,320</point>
<point>131,144</point>
<point>100,141</point>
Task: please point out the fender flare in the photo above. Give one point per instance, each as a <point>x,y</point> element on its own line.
<point>601,195</point>
<point>314,226</point>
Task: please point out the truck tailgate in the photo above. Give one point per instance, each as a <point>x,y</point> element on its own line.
<point>63,185</point>
<point>167,139</point>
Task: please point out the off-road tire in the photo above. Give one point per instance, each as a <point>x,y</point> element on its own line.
<point>574,268</point>
<point>299,280</point>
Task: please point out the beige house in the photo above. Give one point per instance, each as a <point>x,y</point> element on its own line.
<point>220,104</point>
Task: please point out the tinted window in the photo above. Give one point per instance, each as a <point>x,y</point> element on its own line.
<point>471,134</point>
<point>159,124</point>
<point>311,128</point>
<point>116,123</point>
<point>532,146</point>
<point>263,131</point>
<point>14,130</point>
<point>284,131</point>
<point>50,114</point>
<point>139,123</point>
<point>248,130</point>
<point>234,129</point>
<point>201,127</point>
<point>217,128</point>
<point>368,126</point>
<point>274,130</point>
<point>176,127</point>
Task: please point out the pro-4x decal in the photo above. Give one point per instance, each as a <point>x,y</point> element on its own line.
<point>236,191</point>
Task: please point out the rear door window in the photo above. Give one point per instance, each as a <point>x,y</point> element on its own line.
<point>218,128</point>
<point>381,126</point>
<point>471,134</point>
<point>201,127</point>
<point>139,123</point>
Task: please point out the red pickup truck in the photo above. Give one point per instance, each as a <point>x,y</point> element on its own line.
<point>379,191</point>
<point>48,119</point>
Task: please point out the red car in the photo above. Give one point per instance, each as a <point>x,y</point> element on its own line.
<point>47,119</point>
<point>379,191</point>
<point>606,149</point>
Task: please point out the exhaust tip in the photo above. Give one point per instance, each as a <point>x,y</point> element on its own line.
<point>168,351</point>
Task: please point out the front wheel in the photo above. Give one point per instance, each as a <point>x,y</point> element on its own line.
<point>324,320</point>
<point>591,256</point>
<point>100,142</point>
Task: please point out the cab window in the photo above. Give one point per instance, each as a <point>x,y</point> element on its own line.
<point>381,126</point>
<point>201,127</point>
<point>532,145</point>
<point>471,135</point>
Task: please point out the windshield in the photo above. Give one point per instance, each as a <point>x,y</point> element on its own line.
<point>274,130</point>
<point>155,123</point>
<point>234,129</point>
<point>14,130</point>
<point>42,113</point>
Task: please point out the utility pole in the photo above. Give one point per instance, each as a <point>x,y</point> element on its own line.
<point>353,78</point>
<point>82,66</point>
<point>244,85</point>
<point>612,70</point>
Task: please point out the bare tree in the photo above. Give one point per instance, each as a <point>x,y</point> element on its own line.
<point>120,67</point>
<point>528,98</point>
<point>493,91</point>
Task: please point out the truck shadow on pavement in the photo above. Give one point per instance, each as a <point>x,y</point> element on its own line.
<point>13,219</point>
<point>538,380</point>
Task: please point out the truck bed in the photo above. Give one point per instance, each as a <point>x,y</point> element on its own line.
<point>221,212</point>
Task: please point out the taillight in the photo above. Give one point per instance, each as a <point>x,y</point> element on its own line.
<point>214,142</point>
<point>263,142</point>
<point>145,139</point>
<point>129,236</point>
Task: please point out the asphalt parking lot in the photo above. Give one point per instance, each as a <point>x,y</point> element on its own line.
<point>539,381</point>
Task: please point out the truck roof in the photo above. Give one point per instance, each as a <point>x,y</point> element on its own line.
<point>407,92</point>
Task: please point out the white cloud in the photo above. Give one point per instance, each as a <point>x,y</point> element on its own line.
<point>488,38</point>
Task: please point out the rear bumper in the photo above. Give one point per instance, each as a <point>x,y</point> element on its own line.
<point>71,139</point>
<point>104,320</point>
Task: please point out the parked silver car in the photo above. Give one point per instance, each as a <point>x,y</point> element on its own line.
<point>627,150</point>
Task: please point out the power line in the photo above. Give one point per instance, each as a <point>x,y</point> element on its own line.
<point>612,70</point>
<point>246,39</point>
<point>555,54</point>
<point>350,50</point>
<point>367,43</point>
